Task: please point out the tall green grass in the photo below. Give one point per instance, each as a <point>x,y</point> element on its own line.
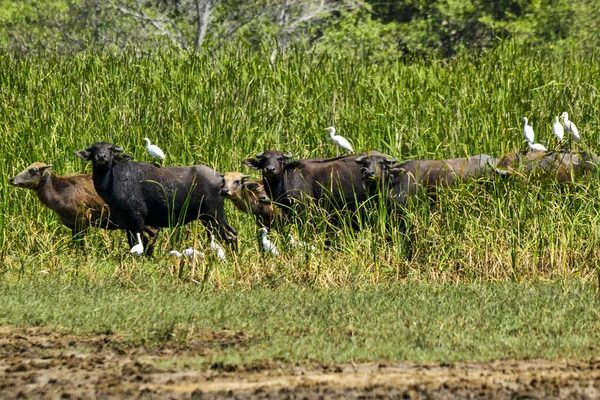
<point>218,110</point>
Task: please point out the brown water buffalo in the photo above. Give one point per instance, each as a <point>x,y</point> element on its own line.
<point>402,181</point>
<point>74,199</point>
<point>564,166</point>
<point>249,196</point>
<point>331,183</point>
<point>141,194</point>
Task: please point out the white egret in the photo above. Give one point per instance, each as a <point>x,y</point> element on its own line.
<point>268,247</point>
<point>154,150</point>
<point>189,253</point>
<point>216,248</point>
<point>340,141</point>
<point>536,147</point>
<point>570,127</point>
<point>528,131</point>
<point>300,244</point>
<point>138,249</point>
<point>558,130</point>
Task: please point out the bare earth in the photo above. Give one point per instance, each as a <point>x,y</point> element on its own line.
<point>39,363</point>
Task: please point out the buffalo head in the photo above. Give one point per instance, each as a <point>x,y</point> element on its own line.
<point>103,153</point>
<point>32,176</point>
<point>271,163</point>
<point>373,167</point>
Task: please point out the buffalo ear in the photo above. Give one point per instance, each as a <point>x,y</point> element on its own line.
<point>252,163</point>
<point>252,185</point>
<point>397,171</point>
<point>83,154</point>
<point>122,157</point>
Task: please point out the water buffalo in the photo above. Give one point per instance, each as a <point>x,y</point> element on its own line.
<point>249,196</point>
<point>141,194</point>
<point>402,181</point>
<point>73,198</point>
<point>331,183</point>
<point>564,166</point>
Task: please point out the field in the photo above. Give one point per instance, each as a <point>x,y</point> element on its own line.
<point>502,283</point>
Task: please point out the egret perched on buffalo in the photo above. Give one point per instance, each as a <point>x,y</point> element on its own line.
<point>536,147</point>
<point>558,130</point>
<point>154,150</point>
<point>528,131</point>
<point>340,141</point>
<point>570,127</point>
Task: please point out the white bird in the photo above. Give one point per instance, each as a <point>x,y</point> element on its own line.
<point>528,131</point>
<point>339,140</point>
<point>189,253</point>
<point>300,244</point>
<point>154,150</point>
<point>268,247</point>
<point>536,147</point>
<point>558,131</point>
<point>570,127</point>
<point>216,248</point>
<point>138,249</point>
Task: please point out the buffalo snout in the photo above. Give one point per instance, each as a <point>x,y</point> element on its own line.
<point>269,170</point>
<point>225,192</point>
<point>367,173</point>
<point>100,158</point>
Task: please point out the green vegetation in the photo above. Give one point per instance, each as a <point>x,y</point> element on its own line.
<point>370,28</point>
<point>498,242</point>
<point>413,322</point>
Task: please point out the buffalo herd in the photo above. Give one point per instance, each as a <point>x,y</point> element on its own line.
<point>141,198</point>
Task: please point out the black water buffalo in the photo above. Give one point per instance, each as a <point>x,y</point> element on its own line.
<point>141,194</point>
<point>403,181</point>
<point>564,166</point>
<point>332,183</point>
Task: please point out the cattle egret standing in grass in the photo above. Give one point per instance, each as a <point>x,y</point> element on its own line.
<point>138,249</point>
<point>216,248</point>
<point>570,127</point>
<point>189,253</point>
<point>558,131</point>
<point>154,150</point>
<point>300,244</point>
<point>268,247</point>
<point>340,141</point>
<point>536,147</point>
<point>528,131</point>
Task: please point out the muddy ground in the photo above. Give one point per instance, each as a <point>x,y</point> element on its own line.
<point>38,363</point>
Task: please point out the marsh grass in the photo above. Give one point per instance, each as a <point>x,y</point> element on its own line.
<point>218,111</point>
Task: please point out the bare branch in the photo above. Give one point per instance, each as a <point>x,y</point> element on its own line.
<point>203,19</point>
<point>157,23</point>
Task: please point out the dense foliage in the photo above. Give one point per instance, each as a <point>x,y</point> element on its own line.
<point>371,28</point>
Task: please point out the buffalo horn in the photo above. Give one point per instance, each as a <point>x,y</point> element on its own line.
<point>360,159</point>
<point>259,155</point>
<point>288,155</point>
